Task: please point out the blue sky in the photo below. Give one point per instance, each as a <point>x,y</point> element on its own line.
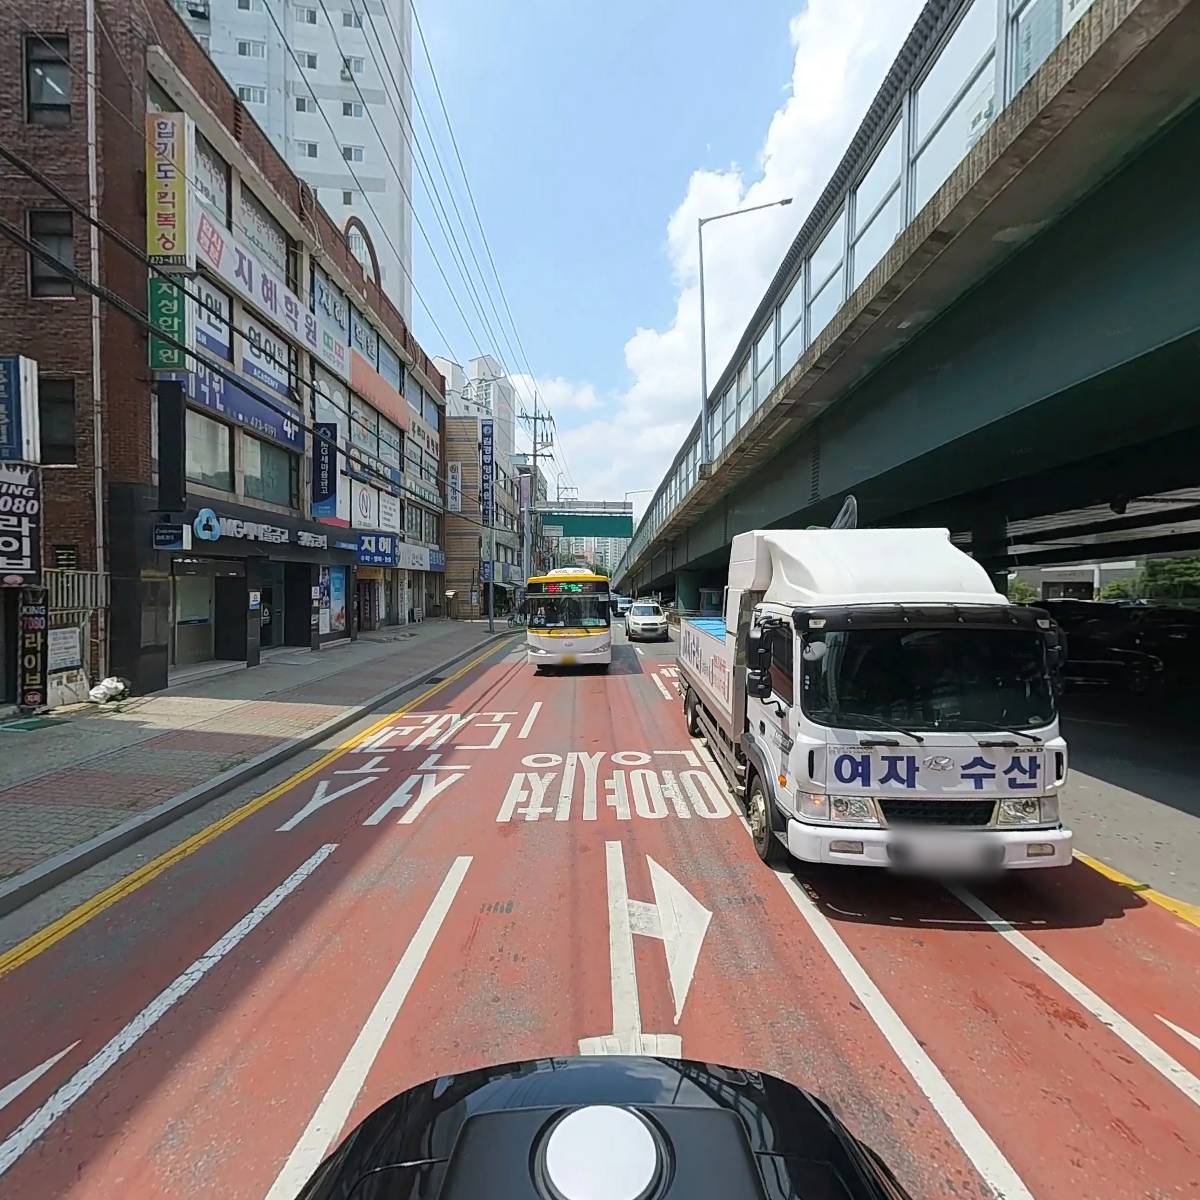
<point>594,135</point>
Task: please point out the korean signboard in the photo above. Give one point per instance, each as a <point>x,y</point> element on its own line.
<point>389,512</point>
<point>363,338</point>
<point>377,549</point>
<point>365,506</point>
<point>33,622</point>
<point>211,177</point>
<point>212,318</point>
<point>266,357</point>
<point>20,436</point>
<point>487,469</point>
<point>333,322</point>
<point>254,281</point>
<point>389,366</point>
<point>262,231</point>
<point>169,153</point>
<point>20,523</point>
<point>169,312</point>
<point>325,469</point>
<point>454,487</point>
<point>206,389</point>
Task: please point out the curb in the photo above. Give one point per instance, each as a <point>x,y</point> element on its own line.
<point>22,888</point>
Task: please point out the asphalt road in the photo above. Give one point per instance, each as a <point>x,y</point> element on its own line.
<point>523,866</point>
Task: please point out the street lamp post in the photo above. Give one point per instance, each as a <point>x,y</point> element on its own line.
<point>705,417</point>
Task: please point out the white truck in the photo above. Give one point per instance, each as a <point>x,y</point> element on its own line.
<point>875,701</point>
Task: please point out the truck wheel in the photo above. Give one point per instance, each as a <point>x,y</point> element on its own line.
<point>759,811</point>
<point>691,709</point>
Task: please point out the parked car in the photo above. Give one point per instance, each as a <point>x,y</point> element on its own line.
<point>1092,662</point>
<point>646,619</point>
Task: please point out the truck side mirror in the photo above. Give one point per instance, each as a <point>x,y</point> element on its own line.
<point>758,684</point>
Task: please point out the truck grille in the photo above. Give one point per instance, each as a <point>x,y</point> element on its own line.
<point>937,812</point>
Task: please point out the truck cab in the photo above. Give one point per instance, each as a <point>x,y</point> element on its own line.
<point>877,703</point>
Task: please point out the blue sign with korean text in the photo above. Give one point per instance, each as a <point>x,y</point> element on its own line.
<point>487,470</point>
<point>377,549</point>
<point>437,560</point>
<point>206,389</point>
<point>324,469</point>
<point>20,439</point>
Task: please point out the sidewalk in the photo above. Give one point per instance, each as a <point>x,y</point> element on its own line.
<point>76,778</point>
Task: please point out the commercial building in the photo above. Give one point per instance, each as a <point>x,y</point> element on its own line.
<point>294,66</point>
<point>305,423</point>
<point>484,390</point>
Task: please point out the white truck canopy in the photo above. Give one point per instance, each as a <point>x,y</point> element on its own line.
<point>818,567</point>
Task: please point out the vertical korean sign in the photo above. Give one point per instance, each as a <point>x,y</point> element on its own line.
<point>324,469</point>
<point>454,487</point>
<point>487,469</point>
<point>20,524</point>
<point>169,241</point>
<point>170,313</point>
<point>20,435</point>
<point>33,620</point>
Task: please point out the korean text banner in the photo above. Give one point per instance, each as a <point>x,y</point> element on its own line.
<point>170,244</point>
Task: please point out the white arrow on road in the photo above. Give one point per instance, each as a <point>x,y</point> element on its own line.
<point>680,922</point>
<point>13,1090</point>
<point>1183,1033</point>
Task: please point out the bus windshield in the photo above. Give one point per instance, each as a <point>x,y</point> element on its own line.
<point>569,612</point>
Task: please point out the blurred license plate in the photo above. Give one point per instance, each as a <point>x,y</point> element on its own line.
<point>942,852</point>
<point>568,660</point>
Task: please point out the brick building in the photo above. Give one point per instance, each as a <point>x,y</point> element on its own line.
<point>290,331</point>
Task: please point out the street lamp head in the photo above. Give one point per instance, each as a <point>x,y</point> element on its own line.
<point>785,202</point>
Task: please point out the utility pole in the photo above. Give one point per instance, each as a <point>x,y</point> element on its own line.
<point>538,419</point>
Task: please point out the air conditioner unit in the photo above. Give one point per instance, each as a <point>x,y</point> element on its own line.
<point>347,74</point>
<point>198,9</point>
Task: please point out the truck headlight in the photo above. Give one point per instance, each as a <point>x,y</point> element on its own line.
<point>853,810</point>
<point>1029,810</point>
<point>813,806</point>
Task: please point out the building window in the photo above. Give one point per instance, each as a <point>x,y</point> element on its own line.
<point>347,197</point>
<point>47,80</point>
<point>353,63</point>
<point>432,530</point>
<point>306,16</point>
<point>352,108</point>
<point>351,20</point>
<point>209,459</point>
<point>251,49</point>
<point>56,418</point>
<point>250,5</point>
<point>51,230</point>
<point>308,59</point>
<point>249,94</point>
<point>306,104</point>
<point>271,473</point>
<point>412,521</point>
<point>307,150</point>
<point>66,558</point>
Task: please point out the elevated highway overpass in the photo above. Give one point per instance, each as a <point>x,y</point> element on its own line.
<point>1015,354</point>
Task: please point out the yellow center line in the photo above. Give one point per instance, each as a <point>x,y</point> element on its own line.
<point>79,916</point>
<point>1181,908</point>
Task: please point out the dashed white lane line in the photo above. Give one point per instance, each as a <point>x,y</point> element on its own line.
<point>1171,1070</point>
<point>339,1098</point>
<point>529,720</point>
<point>40,1120</point>
<point>987,1158</point>
<point>662,687</point>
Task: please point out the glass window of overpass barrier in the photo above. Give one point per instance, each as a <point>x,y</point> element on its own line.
<point>956,65</point>
<point>964,126</point>
<point>764,363</point>
<point>1038,26</point>
<point>825,304</point>
<point>882,176</point>
<point>827,257</point>
<point>874,241</point>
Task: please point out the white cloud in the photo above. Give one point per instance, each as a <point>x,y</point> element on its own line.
<point>843,49</point>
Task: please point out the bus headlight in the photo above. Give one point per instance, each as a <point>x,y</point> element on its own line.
<point>853,810</point>
<point>1028,810</point>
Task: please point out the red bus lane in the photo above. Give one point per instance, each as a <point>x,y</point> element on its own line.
<point>524,866</point>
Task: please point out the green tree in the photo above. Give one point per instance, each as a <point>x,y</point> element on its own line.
<point>1170,578</point>
<point>1117,589</point>
<point>1020,592</point>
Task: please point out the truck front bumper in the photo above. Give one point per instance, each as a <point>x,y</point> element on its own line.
<point>1008,849</point>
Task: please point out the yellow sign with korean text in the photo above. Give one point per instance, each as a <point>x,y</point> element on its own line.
<point>170,239</point>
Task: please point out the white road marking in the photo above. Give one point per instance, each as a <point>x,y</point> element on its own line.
<point>321,797</point>
<point>639,651</point>
<point>529,720</point>
<point>658,683</point>
<point>1187,1035</point>
<point>995,1170</point>
<point>1174,1072</point>
<point>13,1090</point>
<point>684,921</point>
<point>41,1119</point>
<point>339,1098</point>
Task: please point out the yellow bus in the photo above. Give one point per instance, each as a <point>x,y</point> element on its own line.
<point>569,621</point>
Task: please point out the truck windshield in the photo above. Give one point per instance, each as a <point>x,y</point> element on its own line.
<point>929,679</point>
<point>569,612</point>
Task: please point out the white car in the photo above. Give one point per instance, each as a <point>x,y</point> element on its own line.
<point>646,620</point>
